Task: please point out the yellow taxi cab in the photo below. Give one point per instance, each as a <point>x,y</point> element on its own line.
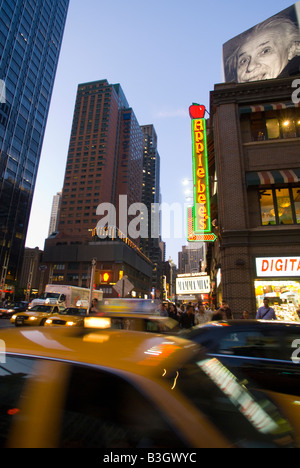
<point>122,314</point>
<point>69,317</point>
<point>85,388</point>
<point>36,316</point>
<point>125,321</point>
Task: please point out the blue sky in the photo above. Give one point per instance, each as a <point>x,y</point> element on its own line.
<point>166,54</point>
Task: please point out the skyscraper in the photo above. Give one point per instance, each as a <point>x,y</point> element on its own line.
<point>54,213</point>
<point>105,157</point>
<point>150,246</point>
<point>30,40</point>
<point>105,161</point>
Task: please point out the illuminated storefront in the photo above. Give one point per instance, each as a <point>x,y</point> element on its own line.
<point>278,279</point>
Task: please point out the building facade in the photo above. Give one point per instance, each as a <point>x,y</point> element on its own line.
<point>31,34</point>
<point>191,259</point>
<point>151,195</point>
<point>31,273</point>
<point>256,132</point>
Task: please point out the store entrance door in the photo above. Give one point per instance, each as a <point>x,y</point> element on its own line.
<point>283,295</point>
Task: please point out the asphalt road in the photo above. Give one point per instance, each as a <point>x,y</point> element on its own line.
<point>4,323</point>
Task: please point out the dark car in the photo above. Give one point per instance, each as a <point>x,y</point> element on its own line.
<point>267,353</point>
<point>13,308</point>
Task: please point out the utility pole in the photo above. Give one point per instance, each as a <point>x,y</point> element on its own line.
<point>94,263</point>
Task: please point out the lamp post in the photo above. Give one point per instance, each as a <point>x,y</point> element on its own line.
<point>94,263</point>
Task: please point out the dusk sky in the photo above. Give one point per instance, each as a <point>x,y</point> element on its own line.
<point>166,54</point>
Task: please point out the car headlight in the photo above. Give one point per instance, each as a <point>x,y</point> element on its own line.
<point>48,321</point>
<point>14,317</point>
<point>70,324</point>
<point>32,319</point>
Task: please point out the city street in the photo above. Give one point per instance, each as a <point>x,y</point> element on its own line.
<point>5,324</point>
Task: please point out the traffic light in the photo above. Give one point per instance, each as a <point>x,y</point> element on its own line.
<point>106,277</point>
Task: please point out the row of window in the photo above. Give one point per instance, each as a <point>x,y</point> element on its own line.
<point>280,206</point>
<point>271,125</point>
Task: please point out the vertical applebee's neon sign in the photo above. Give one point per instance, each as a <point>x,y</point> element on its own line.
<point>199,219</point>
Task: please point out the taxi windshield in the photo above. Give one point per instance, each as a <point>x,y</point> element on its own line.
<point>74,311</point>
<point>49,295</point>
<point>41,308</point>
<point>248,418</point>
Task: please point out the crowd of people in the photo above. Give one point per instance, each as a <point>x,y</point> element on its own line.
<point>189,315</point>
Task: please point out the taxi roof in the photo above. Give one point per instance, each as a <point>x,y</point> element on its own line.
<point>125,350</point>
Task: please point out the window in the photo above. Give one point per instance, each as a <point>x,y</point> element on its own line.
<point>252,343</point>
<point>267,207</point>
<point>296,199</point>
<point>272,125</point>
<point>13,375</point>
<point>280,206</point>
<point>104,411</point>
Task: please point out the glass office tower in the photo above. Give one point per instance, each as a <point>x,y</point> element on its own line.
<point>31,34</point>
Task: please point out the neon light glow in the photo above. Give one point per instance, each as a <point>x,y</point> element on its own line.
<point>192,237</point>
<point>202,220</point>
<point>199,216</point>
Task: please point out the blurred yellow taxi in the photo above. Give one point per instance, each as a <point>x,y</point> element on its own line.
<point>133,321</point>
<point>69,317</point>
<point>85,388</point>
<point>34,317</point>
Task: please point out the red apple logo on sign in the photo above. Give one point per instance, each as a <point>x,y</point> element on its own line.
<point>197,111</point>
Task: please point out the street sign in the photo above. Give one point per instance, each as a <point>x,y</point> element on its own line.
<point>123,287</point>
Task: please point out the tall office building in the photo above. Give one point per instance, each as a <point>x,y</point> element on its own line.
<point>150,246</point>
<point>30,40</point>
<point>55,211</point>
<point>104,159</point>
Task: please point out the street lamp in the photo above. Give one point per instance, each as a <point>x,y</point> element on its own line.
<point>94,263</point>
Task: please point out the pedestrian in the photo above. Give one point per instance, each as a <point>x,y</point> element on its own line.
<point>266,312</point>
<point>245,315</point>
<point>163,312</point>
<point>94,306</point>
<point>225,311</point>
<point>172,312</point>
<point>202,315</point>
<point>187,319</point>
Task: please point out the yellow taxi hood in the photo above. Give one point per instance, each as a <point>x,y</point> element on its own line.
<point>122,349</point>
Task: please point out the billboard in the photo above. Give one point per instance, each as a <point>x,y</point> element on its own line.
<point>269,50</point>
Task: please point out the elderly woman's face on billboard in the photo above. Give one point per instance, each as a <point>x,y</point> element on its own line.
<point>262,57</point>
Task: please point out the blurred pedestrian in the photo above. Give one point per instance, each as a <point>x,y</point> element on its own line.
<point>266,312</point>
<point>172,312</point>
<point>187,319</point>
<point>202,315</point>
<point>225,311</point>
<point>94,306</point>
<point>245,315</point>
<point>163,312</point>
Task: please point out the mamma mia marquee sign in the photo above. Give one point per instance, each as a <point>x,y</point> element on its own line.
<point>192,285</point>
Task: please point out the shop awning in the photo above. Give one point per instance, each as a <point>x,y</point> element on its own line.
<point>286,176</point>
<point>268,107</point>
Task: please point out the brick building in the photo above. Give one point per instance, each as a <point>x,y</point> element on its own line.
<point>255,128</point>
